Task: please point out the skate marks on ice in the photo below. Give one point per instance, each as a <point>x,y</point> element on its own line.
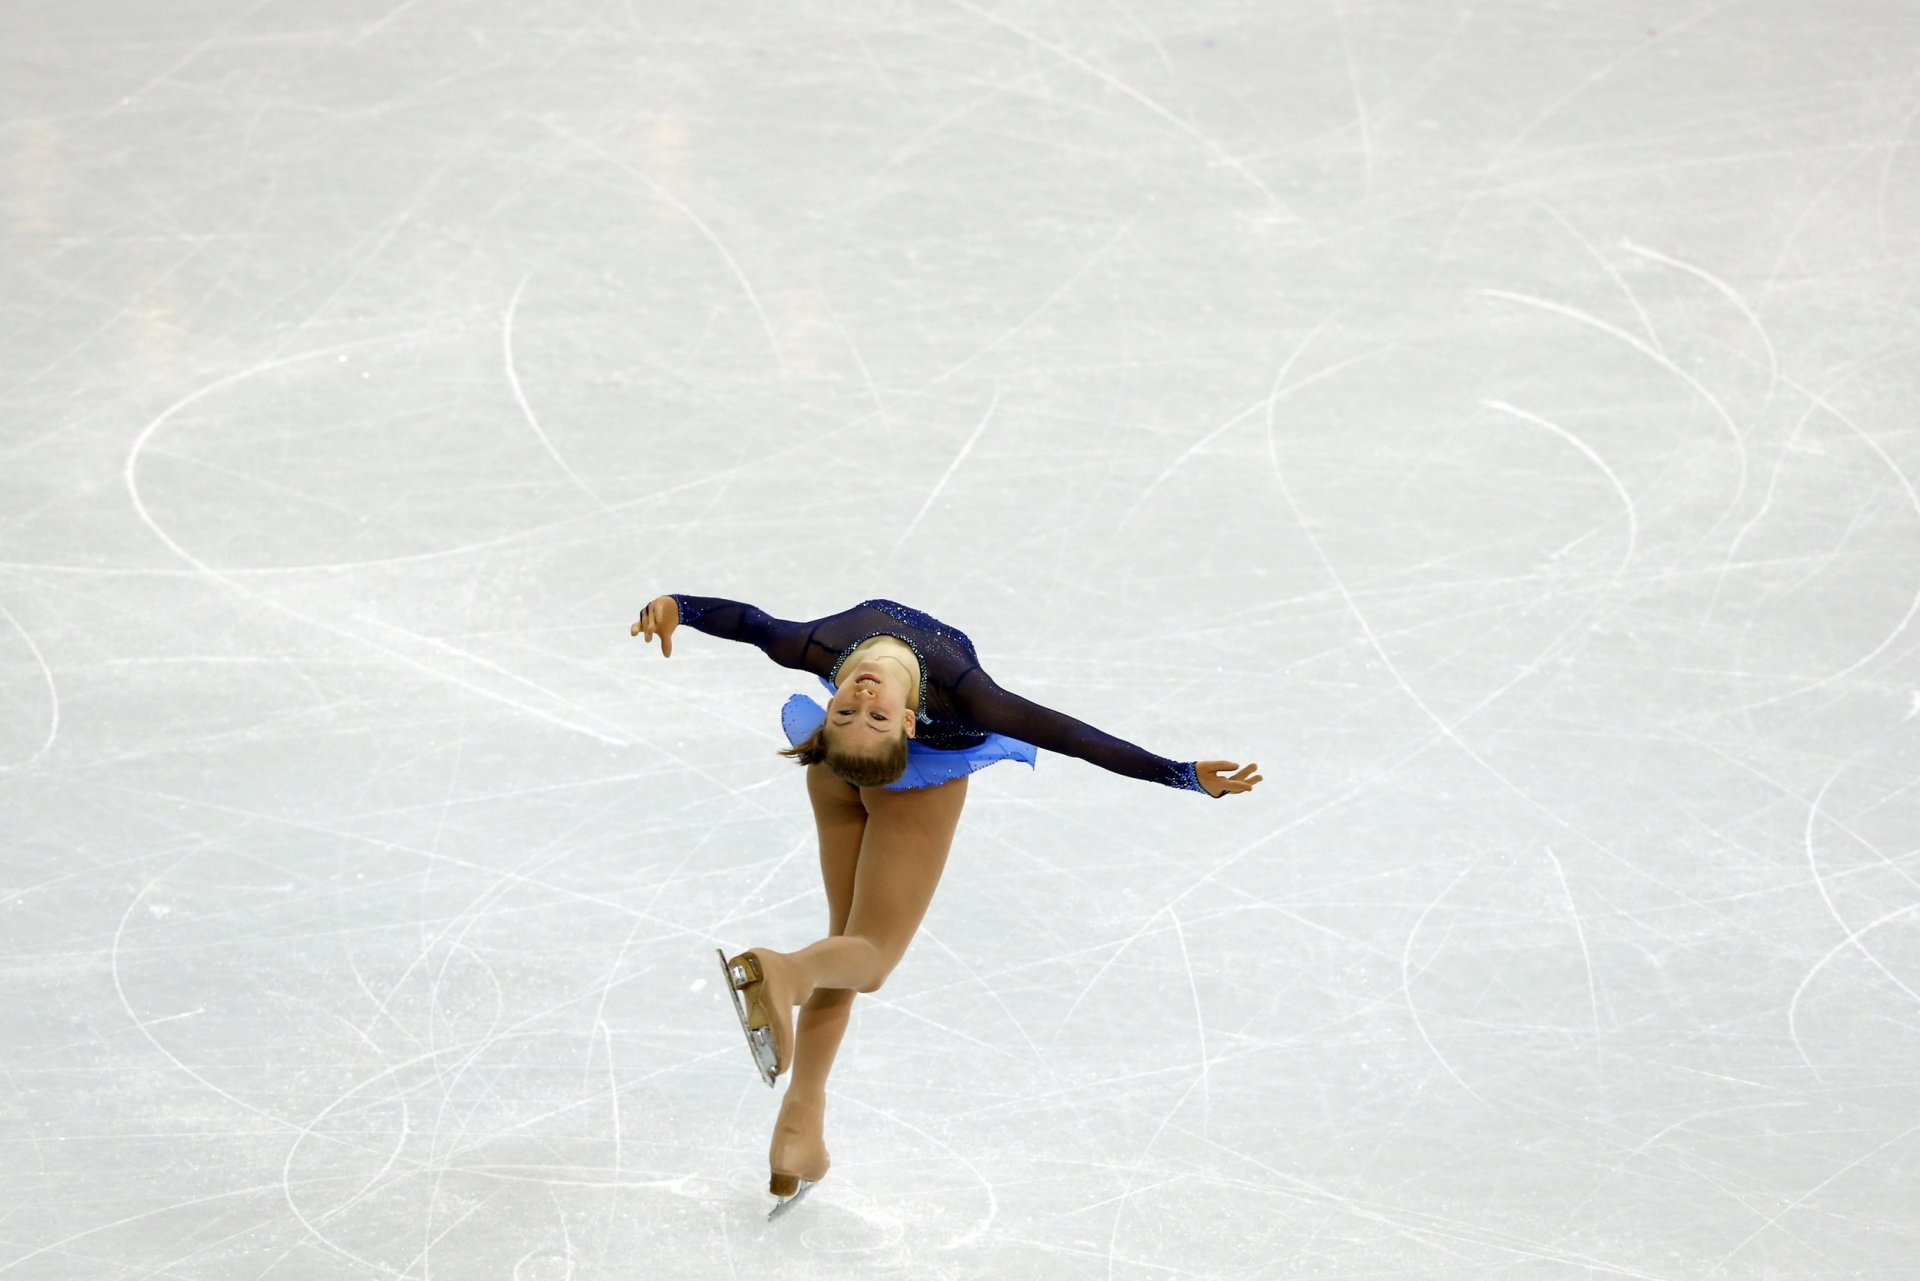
<point>351,869</point>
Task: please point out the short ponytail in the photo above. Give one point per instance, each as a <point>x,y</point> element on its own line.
<point>851,769</point>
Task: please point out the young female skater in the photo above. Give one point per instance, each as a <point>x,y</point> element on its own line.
<point>912,714</point>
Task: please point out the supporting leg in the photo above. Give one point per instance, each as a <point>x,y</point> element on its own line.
<point>881,856</point>
<point>841,821</point>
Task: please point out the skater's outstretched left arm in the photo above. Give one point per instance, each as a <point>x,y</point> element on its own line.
<point>986,705</point>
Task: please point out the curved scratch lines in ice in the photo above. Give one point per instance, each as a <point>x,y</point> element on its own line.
<point>1601,72</point>
<point>520,397</point>
<point>141,1024</point>
<point>1651,353</point>
<point>600,1024</point>
<point>505,880</point>
<point>987,989</point>
<point>1086,988</point>
<point>877,1001</point>
<point>1424,1227</point>
<point>130,471</point>
<point>212,1197</point>
<point>1280,390</point>
<point>1390,763</point>
<point>438,1163</point>
<point>1359,102</point>
<point>866,374</point>
<point>1606,265</point>
<point>1445,728</point>
<point>1809,216</point>
<point>1586,956</point>
<point>1765,506</point>
<point>945,476</point>
<point>1130,1189</point>
<point>1346,596</point>
<point>1808,1195</point>
<point>377,25</point>
<point>1741,305</point>
<point>698,223</point>
<point>1820,882</point>
<point>1202,1081</point>
<point>53,697</point>
<point>1140,499</point>
<point>376,1181</point>
<point>313,1224</point>
<point>1895,146</point>
<point>1221,155</point>
<point>1039,309</point>
<point>613,738</point>
<point>1852,940</point>
<point>1406,981</point>
<point>1400,679</point>
<point>478,909</point>
<point>166,75</point>
<point>1626,499</point>
<point>716,479</point>
<point>1726,291</point>
<point>130,475</point>
<point>1913,606</point>
<point>993,1200</point>
<point>1199,1016</point>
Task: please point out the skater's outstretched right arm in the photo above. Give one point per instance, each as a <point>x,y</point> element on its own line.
<point>782,641</point>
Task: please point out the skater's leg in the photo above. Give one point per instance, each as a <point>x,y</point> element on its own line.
<point>878,890</point>
<point>841,820</point>
<point>798,1151</point>
<point>903,850</point>
<point>902,853</point>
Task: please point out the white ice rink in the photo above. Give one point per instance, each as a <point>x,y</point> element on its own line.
<point>1495,417</point>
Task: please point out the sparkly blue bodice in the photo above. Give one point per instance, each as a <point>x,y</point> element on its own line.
<point>959,703</point>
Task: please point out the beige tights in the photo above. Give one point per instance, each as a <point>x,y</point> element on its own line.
<point>881,855</point>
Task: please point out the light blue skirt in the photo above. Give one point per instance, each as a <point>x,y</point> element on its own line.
<point>926,766</point>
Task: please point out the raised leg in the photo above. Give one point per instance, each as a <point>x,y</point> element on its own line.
<point>902,854</point>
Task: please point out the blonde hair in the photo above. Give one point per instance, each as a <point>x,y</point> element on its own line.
<point>854,769</point>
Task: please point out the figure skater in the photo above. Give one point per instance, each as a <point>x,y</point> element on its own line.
<point>912,714</point>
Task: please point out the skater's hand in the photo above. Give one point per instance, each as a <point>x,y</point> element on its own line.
<point>1215,778</point>
<point>659,618</point>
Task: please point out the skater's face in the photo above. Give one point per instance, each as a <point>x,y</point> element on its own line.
<point>869,711</point>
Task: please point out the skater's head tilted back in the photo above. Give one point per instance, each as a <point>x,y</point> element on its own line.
<point>869,720</point>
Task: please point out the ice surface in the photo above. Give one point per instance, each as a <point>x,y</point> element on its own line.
<point>1497,419</point>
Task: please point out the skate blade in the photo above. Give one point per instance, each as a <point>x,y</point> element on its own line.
<point>759,1040</point>
<point>788,1203</point>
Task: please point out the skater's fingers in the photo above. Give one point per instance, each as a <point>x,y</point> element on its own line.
<point>666,644</point>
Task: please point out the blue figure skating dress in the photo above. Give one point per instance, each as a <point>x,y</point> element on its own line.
<point>965,722</point>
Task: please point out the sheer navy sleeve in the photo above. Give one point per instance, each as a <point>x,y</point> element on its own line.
<point>959,702</point>
<point>984,704</point>
<point>783,641</point>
